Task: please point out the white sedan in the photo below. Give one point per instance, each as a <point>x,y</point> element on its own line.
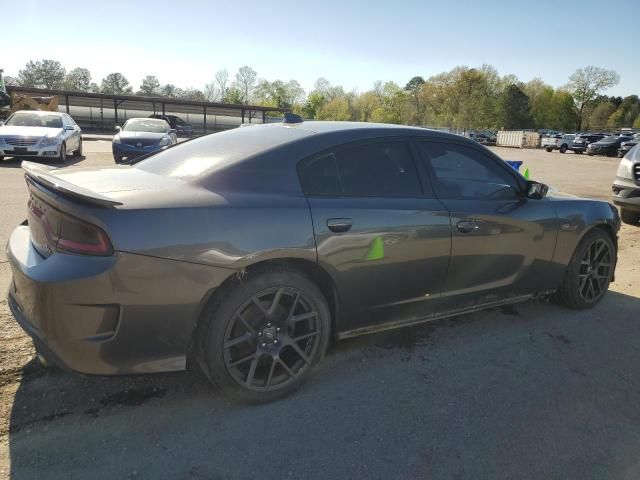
<point>42,134</point>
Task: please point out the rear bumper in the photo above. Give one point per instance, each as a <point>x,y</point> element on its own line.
<point>626,194</point>
<point>108,315</point>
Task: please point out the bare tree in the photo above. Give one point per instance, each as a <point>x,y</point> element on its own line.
<point>586,83</point>
<point>245,82</point>
<point>221,82</point>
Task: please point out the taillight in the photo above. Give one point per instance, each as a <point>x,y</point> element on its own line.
<point>63,233</point>
<point>76,236</point>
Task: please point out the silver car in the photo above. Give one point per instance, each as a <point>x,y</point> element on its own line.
<point>32,133</point>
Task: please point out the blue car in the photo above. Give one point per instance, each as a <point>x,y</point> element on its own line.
<point>139,136</point>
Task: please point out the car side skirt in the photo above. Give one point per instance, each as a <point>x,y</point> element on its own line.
<point>437,316</point>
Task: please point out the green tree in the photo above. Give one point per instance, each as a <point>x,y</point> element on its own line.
<point>150,86</point>
<point>313,105</point>
<point>336,109</point>
<point>413,86</point>
<point>169,90</point>
<point>116,84</point>
<point>600,116</point>
<point>234,96</point>
<point>78,80</point>
<point>514,108</point>
<point>586,83</point>
<point>563,111</point>
<point>48,74</point>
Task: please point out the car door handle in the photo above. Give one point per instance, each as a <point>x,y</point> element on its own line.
<point>339,224</point>
<point>468,226</point>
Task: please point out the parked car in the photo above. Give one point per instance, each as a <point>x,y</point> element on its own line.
<point>607,146</point>
<point>627,145</point>
<point>251,248</point>
<point>626,187</point>
<point>182,128</point>
<point>558,142</point>
<point>41,134</point>
<point>582,141</point>
<point>483,138</point>
<point>141,136</point>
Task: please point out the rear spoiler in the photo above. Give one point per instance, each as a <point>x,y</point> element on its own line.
<point>41,174</point>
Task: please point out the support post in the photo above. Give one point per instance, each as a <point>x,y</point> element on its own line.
<point>264,117</point>
<point>115,108</point>
<point>205,119</point>
<point>243,115</point>
<point>66,101</point>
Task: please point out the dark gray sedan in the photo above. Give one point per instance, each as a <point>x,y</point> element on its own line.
<point>249,250</point>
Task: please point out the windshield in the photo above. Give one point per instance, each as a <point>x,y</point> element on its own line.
<point>28,119</point>
<point>611,139</point>
<point>146,125</point>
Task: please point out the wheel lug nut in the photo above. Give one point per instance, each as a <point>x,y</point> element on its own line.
<point>268,324</point>
<point>259,334</point>
<point>277,329</point>
<point>264,344</point>
<point>275,341</point>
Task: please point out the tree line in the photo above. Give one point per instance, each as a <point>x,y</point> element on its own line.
<point>463,98</point>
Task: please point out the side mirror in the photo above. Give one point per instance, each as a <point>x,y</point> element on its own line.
<point>68,127</point>
<point>117,128</point>
<point>536,190</point>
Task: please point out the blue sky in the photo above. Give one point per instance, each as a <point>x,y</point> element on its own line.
<point>349,42</point>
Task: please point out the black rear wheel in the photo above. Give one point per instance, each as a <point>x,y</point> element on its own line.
<point>590,272</point>
<point>563,148</point>
<point>265,336</point>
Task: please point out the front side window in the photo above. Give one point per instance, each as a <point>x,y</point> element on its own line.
<point>383,169</point>
<point>460,172</point>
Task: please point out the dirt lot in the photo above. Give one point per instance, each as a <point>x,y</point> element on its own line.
<point>534,391</point>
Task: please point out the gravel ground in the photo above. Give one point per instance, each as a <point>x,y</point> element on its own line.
<point>532,391</point>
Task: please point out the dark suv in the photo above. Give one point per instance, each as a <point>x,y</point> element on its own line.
<point>182,128</point>
<point>583,140</point>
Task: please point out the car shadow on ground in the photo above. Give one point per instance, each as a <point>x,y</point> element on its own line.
<point>12,162</point>
<point>484,394</point>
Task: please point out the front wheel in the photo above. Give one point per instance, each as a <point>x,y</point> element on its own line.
<point>563,149</point>
<point>265,335</point>
<point>117,158</point>
<point>549,149</point>
<point>629,217</point>
<point>63,153</point>
<point>591,269</point>
<point>78,152</point>
<point>579,152</point>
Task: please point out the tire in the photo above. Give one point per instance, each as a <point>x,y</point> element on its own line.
<point>549,149</point>
<point>117,158</point>
<point>63,153</point>
<point>629,217</point>
<point>1,158</point>
<point>78,152</point>
<point>579,152</point>
<point>563,148</point>
<point>583,285</point>
<point>265,334</point>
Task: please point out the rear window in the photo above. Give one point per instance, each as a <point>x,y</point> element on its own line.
<point>202,157</point>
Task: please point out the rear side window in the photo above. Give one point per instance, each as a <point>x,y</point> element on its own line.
<point>382,169</point>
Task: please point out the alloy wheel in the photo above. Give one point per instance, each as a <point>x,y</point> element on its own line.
<point>595,270</point>
<point>271,339</point>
